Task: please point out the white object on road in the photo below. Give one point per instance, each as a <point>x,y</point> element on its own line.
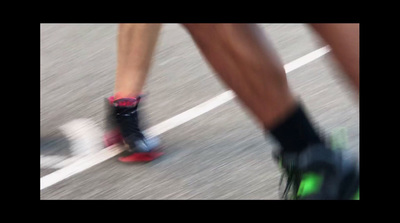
<point>84,135</point>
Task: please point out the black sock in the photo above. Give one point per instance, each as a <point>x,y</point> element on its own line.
<point>295,133</point>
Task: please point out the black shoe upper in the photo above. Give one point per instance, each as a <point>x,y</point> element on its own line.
<point>340,176</point>
<point>125,116</point>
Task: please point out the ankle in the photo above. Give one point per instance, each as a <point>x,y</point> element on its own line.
<point>296,132</point>
<point>120,101</point>
<point>123,95</point>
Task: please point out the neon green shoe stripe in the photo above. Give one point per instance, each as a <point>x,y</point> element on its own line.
<point>310,183</point>
<point>357,195</point>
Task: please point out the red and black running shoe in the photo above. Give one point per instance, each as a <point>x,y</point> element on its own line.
<point>123,123</point>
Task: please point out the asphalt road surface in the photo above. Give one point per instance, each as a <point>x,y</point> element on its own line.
<point>219,154</point>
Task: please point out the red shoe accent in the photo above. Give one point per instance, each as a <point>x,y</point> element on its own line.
<point>128,100</point>
<point>111,100</point>
<point>112,137</point>
<point>141,157</point>
<point>118,96</point>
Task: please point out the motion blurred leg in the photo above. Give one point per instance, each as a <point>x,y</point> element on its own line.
<point>136,44</point>
<point>244,59</point>
<point>344,39</point>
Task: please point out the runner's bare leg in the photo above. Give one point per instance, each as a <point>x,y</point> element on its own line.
<point>242,56</point>
<point>136,44</point>
<point>344,39</point>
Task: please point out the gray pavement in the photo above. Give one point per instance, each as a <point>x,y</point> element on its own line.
<point>221,154</point>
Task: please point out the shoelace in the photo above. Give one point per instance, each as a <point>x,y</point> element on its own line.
<point>131,125</point>
<point>292,179</point>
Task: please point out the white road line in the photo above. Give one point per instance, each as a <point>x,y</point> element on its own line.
<point>189,114</point>
<point>306,59</point>
<point>78,166</point>
<point>107,153</point>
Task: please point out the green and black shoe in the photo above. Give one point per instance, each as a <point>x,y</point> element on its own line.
<point>318,173</point>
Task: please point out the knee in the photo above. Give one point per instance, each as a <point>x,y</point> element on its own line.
<point>205,32</point>
<point>195,28</point>
<point>211,29</point>
<point>199,32</point>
